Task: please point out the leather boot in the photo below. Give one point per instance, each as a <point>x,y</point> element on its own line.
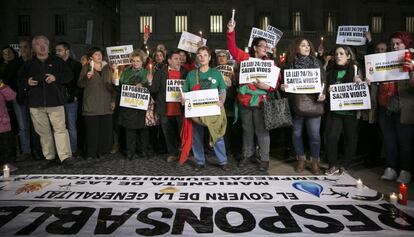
<point>264,165</point>
<point>315,166</point>
<point>300,166</point>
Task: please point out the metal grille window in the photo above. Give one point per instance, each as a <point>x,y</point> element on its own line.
<point>330,24</point>
<point>24,25</point>
<point>409,24</point>
<point>216,23</point>
<point>297,23</point>
<point>145,20</point>
<point>60,24</point>
<point>376,24</point>
<point>264,21</point>
<point>181,22</point>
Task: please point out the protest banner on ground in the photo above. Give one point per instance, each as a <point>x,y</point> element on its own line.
<point>173,88</point>
<point>275,31</point>
<point>119,55</point>
<point>258,70</point>
<point>227,72</point>
<point>201,103</point>
<point>135,98</point>
<point>303,81</point>
<point>351,35</point>
<point>350,96</point>
<point>189,42</point>
<point>268,36</point>
<point>385,66</point>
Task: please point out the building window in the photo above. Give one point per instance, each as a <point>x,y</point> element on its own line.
<point>180,22</point>
<point>264,21</point>
<point>216,23</point>
<point>24,25</point>
<point>376,24</point>
<point>297,23</point>
<point>60,24</point>
<point>330,24</point>
<point>409,24</point>
<point>145,20</point>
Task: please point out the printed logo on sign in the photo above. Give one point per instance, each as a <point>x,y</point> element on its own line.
<point>309,187</point>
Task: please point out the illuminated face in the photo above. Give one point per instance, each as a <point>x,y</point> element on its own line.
<point>61,52</point>
<point>381,48</point>
<point>136,63</point>
<point>24,48</point>
<point>159,57</point>
<point>340,57</point>
<point>8,55</point>
<point>261,49</point>
<point>397,44</point>
<point>222,59</point>
<point>175,61</point>
<point>304,48</point>
<point>183,58</point>
<point>203,57</point>
<point>97,57</point>
<point>41,47</point>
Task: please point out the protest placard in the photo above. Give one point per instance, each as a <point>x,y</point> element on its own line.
<point>201,103</point>
<point>275,31</point>
<point>258,70</point>
<point>227,72</point>
<point>268,36</point>
<point>303,81</point>
<point>119,55</point>
<point>385,66</point>
<point>173,88</point>
<point>135,98</point>
<point>349,96</point>
<point>351,35</point>
<point>188,42</point>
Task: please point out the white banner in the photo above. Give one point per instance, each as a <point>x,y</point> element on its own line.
<point>135,98</point>
<point>351,35</point>
<point>173,88</point>
<point>268,36</point>
<point>119,55</point>
<point>201,103</point>
<point>275,31</point>
<point>258,70</point>
<point>350,96</point>
<point>385,66</point>
<point>188,42</point>
<point>303,81</point>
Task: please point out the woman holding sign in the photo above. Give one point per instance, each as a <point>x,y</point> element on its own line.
<point>396,117</point>
<point>134,119</point>
<point>344,121</point>
<point>300,55</point>
<point>250,99</point>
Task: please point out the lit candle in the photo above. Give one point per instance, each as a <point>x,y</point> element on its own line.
<point>246,49</point>
<point>201,36</point>
<point>355,70</point>
<point>150,67</point>
<point>323,87</point>
<point>359,184</point>
<point>393,199</point>
<point>322,40</point>
<point>232,15</point>
<point>402,196</point>
<point>147,29</point>
<point>92,66</point>
<point>148,52</point>
<point>6,172</point>
<point>116,77</point>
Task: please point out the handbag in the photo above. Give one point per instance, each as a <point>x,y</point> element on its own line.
<point>276,112</point>
<point>151,117</point>
<point>305,105</point>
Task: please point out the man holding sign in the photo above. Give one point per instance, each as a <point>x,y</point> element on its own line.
<point>166,85</point>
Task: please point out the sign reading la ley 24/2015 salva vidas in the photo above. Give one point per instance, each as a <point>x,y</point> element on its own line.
<point>350,96</point>
<point>385,66</point>
<point>135,98</point>
<point>254,70</point>
<point>351,35</point>
<point>173,90</point>
<point>111,205</point>
<point>201,103</point>
<point>303,81</point>
<point>119,55</point>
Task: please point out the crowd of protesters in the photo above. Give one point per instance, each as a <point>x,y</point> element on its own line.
<point>67,112</point>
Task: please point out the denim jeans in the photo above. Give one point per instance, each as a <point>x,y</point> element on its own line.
<point>198,146</point>
<point>71,115</point>
<point>23,119</point>
<point>171,127</point>
<point>312,128</point>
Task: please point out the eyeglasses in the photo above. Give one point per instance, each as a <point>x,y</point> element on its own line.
<point>221,56</point>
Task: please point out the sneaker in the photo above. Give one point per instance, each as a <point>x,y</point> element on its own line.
<point>405,177</point>
<point>48,164</point>
<point>332,171</point>
<point>172,158</point>
<point>389,174</point>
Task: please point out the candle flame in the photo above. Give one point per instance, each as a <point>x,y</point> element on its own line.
<point>6,167</point>
<point>322,38</point>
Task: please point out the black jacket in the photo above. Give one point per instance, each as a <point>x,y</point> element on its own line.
<point>44,94</point>
<point>72,87</point>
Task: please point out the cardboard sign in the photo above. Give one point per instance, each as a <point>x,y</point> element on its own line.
<point>385,66</point>
<point>227,72</point>
<point>303,81</point>
<point>351,35</point>
<point>350,96</point>
<point>275,31</point>
<point>135,98</point>
<point>268,36</point>
<point>188,42</point>
<point>173,88</point>
<point>253,70</point>
<point>119,55</point>
<point>201,103</point>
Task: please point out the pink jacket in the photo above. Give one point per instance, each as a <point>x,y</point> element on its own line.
<point>6,94</point>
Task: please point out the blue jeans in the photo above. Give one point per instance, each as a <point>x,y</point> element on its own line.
<point>23,119</point>
<point>71,115</point>
<point>312,128</point>
<point>198,146</point>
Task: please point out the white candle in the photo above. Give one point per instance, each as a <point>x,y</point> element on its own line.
<point>356,70</point>
<point>92,65</point>
<point>246,49</point>
<point>232,15</point>
<point>359,184</point>
<point>6,172</point>
<point>323,87</point>
<point>393,199</point>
